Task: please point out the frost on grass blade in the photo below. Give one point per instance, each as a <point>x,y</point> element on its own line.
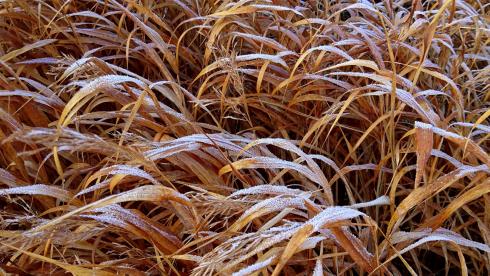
<point>262,39</point>
<point>382,200</point>
<point>93,86</point>
<point>318,271</point>
<point>402,236</point>
<point>271,163</point>
<point>102,184</point>
<point>469,145</point>
<point>423,125</point>
<point>266,207</point>
<point>267,189</point>
<point>155,193</point>
<point>273,58</point>
<point>443,155</point>
<point>253,268</point>
<point>332,214</point>
<point>8,179</point>
<point>195,142</point>
<point>311,242</point>
<point>440,234</point>
<point>170,150</point>
<point>407,98</point>
<point>39,189</point>
<point>119,172</point>
<point>138,224</point>
<point>267,243</point>
<point>483,128</point>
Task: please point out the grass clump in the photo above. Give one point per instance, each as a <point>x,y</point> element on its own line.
<point>244,137</point>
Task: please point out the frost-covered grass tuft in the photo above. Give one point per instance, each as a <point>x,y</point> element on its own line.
<point>260,137</point>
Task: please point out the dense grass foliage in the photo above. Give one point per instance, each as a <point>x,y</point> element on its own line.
<point>270,137</point>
